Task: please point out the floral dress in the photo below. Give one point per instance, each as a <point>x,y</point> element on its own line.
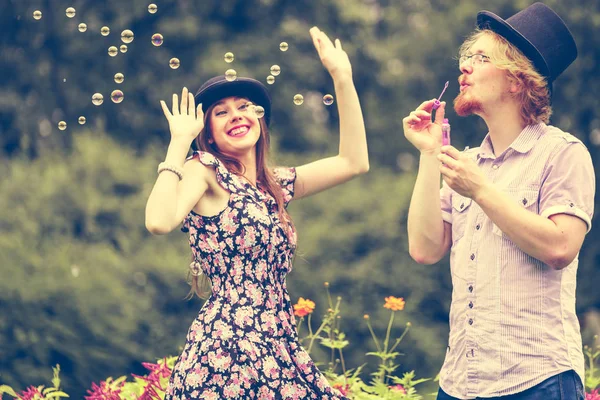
<point>244,343</point>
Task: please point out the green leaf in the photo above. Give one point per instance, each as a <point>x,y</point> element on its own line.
<point>334,344</point>
<point>48,390</point>
<point>58,394</point>
<point>5,389</point>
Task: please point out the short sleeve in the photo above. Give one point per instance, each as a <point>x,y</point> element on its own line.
<point>286,177</point>
<point>569,184</point>
<point>446,202</point>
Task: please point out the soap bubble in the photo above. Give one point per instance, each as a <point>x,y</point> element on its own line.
<point>406,162</point>
<point>70,12</point>
<point>270,79</point>
<point>82,27</point>
<point>119,77</point>
<point>117,96</point>
<point>259,111</point>
<point>123,48</point>
<point>97,99</point>
<point>127,36</point>
<point>62,125</point>
<point>174,63</point>
<point>231,75</point>
<point>104,31</point>
<point>328,99</point>
<point>229,57</point>
<point>283,46</point>
<point>157,39</point>
<point>113,51</point>
<point>298,99</point>
<point>81,120</point>
<point>275,70</point>
<point>595,137</point>
<point>152,8</point>
<point>37,14</point>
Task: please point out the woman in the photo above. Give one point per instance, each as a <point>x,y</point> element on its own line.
<point>244,344</point>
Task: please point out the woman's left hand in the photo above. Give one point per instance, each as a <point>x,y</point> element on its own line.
<point>333,57</point>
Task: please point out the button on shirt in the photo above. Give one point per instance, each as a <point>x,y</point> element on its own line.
<point>512,318</point>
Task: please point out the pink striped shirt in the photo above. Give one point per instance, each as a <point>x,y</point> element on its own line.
<point>512,318</point>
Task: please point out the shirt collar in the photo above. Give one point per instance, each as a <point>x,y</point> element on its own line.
<point>522,144</point>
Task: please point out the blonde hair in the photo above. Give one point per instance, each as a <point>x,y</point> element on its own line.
<point>534,93</point>
<point>200,285</point>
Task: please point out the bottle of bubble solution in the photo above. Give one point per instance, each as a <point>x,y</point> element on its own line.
<point>445,132</point>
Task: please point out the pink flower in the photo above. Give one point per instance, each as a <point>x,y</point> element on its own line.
<point>104,391</point>
<point>30,393</point>
<point>153,389</point>
<point>398,388</point>
<point>593,395</point>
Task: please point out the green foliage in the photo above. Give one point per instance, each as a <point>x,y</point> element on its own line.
<point>383,386</point>
<point>90,288</point>
<point>592,374</point>
<point>39,392</point>
<point>87,287</point>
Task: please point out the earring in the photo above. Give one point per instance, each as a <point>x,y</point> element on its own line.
<point>211,141</point>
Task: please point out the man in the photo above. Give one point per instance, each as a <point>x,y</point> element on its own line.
<point>513,213</point>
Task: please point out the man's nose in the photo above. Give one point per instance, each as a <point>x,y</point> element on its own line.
<point>465,67</point>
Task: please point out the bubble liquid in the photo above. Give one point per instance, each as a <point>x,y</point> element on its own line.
<point>445,132</point>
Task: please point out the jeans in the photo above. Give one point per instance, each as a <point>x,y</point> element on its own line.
<point>564,386</point>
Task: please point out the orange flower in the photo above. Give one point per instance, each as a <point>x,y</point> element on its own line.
<point>344,389</point>
<point>394,303</point>
<point>304,307</point>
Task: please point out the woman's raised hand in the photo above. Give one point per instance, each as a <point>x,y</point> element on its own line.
<point>186,120</point>
<point>333,57</point>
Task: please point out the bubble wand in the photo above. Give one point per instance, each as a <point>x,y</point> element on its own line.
<point>437,103</point>
<point>445,124</point>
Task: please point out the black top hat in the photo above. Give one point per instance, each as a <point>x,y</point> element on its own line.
<point>218,88</point>
<point>540,34</point>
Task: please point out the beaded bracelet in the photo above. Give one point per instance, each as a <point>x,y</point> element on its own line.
<point>168,167</point>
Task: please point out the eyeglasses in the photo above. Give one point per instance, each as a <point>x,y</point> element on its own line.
<point>473,59</point>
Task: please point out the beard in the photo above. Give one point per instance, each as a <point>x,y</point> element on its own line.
<point>465,105</point>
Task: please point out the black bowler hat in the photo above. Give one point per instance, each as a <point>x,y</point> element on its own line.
<point>218,88</point>
<point>540,34</point>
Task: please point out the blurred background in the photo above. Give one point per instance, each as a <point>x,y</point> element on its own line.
<point>84,285</point>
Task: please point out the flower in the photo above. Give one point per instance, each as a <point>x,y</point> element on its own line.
<point>398,388</point>
<point>593,395</point>
<point>31,393</point>
<point>304,307</point>
<point>394,303</point>
<point>107,390</point>
<point>343,389</point>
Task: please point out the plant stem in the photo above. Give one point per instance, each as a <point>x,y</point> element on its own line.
<point>387,335</point>
<point>343,365</point>
<point>374,337</point>
<point>399,339</point>
<point>313,337</point>
<point>299,325</point>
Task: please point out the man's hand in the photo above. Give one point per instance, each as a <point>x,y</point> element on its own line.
<point>461,173</point>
